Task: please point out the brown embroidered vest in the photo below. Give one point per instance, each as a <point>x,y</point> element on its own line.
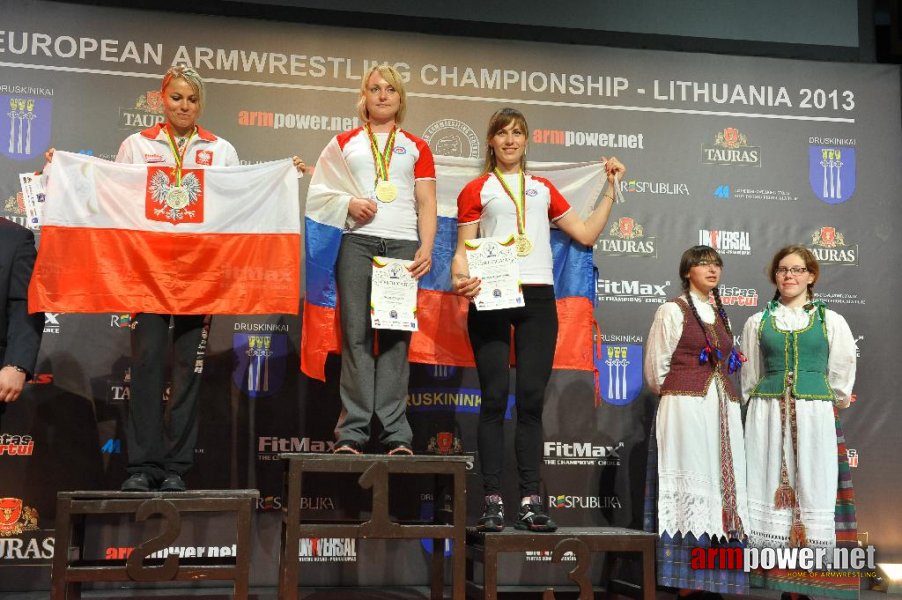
<point>688,377</point>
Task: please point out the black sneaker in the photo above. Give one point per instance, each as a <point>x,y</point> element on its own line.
<point>173,483</point>
<point>533,517</point>
<point>492,518</point>
<point>138,482</point>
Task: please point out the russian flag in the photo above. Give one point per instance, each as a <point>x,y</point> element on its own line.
<point>115,239</point>
<point>442,337</point>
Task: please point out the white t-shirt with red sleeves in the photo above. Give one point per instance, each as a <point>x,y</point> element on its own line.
<point>411,161</point>
<point>484,201</point>
<point>151,146</point>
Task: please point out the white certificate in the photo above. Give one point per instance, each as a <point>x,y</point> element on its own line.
<point>495,263</point>
<point>393,301</point>
<point>33,198</point>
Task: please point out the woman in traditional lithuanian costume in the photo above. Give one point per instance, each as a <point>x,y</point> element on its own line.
<point>801,370</point>
<point>696,496</point>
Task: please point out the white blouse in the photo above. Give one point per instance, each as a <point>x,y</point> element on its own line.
<point>842,350</point>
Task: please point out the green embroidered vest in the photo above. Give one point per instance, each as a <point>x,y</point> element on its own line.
<point>804,352</point>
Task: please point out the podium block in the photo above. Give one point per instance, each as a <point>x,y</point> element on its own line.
<point>372,473</point>
<point>582,541</point>
<point>70,569</point>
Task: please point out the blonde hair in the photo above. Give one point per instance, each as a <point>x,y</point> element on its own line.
<point>393,77</point>
<point>191,77</point>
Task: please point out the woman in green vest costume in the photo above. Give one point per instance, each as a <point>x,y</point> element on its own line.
<point>800,370</point>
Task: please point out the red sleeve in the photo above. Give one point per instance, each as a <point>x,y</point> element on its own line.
<point>344,138</point>
<point>469,202</point>
<point>558,207</point>
<point>425,165</point>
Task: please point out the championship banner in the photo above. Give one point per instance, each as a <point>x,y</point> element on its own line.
<point>442,315</point>
<point>124,238</point>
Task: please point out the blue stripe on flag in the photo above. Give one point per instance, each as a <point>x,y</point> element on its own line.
<point>321,244</point>
<point>439,278</point>
<point>573,268</point>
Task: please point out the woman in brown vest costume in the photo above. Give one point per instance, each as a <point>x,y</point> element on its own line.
<point>701,498</point>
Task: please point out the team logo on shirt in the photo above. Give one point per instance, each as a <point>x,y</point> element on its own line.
<point>620,372</point>
<point>831,172</point>
<point>204,158</point>
<point>166,201</point>
<point>153,158</point>
<point>24,126</point>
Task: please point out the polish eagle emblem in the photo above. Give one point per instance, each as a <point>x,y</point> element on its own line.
<point>174,202</point>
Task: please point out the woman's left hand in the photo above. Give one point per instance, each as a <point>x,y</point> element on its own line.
<point>613,168</point>
<point>422,262</point>
<point>299,164</point>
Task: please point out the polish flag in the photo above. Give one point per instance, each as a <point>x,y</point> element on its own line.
<point>116,238</point>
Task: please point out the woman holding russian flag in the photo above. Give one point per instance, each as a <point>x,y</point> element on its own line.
<point>377,184</point>
<point>508,202</point>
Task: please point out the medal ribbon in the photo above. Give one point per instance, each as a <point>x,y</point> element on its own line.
<point>179,156</point>
<point>519,206</point>
<point>382,159</point>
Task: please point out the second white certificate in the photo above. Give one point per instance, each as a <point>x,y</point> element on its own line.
<point>393,300</point>
<point>495,263</point>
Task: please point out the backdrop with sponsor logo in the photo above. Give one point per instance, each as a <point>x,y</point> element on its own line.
<point>744,154</point>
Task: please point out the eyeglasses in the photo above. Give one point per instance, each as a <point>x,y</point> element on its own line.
<point>794,271</point>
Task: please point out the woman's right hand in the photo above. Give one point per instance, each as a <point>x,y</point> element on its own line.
<point>48,156</point>
<point>465,286</point>
<point>362,210</point>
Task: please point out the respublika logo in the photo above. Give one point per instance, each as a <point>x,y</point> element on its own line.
<point>576,454</point>
<point>829,246</point>
<point>451,137</point>
<point>620,372</point>
<point>259,362</point>
<point>731,148</point>
<point>565,501</point>
<point>25,123</point>
<point>831,172</point>
<point>630,290</point>
<point>327,550</point>
<point>638,186</point>
<point>726,242</point>
<point>627,237</point>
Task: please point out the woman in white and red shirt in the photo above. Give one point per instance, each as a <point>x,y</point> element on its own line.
<point>388,194</point>
<point>488,207</point>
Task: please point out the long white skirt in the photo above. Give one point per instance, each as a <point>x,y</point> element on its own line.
<point>814,479</point>
<point>689,476</point>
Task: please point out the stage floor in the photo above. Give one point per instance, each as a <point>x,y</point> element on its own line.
<point>407,593</point>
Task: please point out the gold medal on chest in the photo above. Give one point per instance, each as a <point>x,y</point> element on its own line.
<point>386,191</point>
<point>523,244</point>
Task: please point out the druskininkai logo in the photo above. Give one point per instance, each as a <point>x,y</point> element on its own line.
<point>25,124</point>
<point>259,362</point>
<point>620,372</point>
<point>831,172</point>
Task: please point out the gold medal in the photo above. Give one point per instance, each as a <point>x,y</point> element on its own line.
<point>177,197</point>
<point>523,244</point>
<point>386,191</point>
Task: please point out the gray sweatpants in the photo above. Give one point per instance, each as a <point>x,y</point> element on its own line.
<point>370,383</point>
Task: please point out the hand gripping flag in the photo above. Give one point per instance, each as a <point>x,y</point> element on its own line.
<point>442,314</point>
<point>116,238</point>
